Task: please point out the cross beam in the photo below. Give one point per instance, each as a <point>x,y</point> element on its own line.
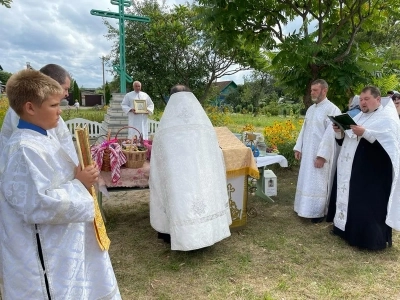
<point>109,14</point>
<point>121,16</point>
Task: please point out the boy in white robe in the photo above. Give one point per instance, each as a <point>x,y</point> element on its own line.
<point>61,132</point>
<point>47,237</point>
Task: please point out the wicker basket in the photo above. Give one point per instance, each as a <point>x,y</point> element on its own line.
<point>106,166</point>
<point>134,159</point>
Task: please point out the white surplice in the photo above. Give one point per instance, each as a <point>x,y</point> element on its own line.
<point>61,133</point>
<point>188,193</point>
<point>139,121</point>
<point>316,138</point>
<point>381,125</point>
<point>39,195</point>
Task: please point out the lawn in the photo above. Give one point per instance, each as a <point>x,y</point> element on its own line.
<point>276,256</point>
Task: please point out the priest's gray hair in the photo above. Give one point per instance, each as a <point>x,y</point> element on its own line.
<point>321,82</point>
<point>56,72</point>
<point>179,88</point>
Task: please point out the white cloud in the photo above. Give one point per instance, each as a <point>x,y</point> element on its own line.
<point>57,31</point>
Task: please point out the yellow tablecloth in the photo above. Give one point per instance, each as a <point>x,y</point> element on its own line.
<point>239,159</point>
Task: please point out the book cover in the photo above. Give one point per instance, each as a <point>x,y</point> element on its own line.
<point>343,121</point>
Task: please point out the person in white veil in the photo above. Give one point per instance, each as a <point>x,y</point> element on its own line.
<point>354,106</point>
<point>188,195</point>
<point>366,194</point>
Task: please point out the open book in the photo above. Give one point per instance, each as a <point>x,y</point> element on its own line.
<point>343,121</point>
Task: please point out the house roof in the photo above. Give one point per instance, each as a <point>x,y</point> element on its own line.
<point>221,85</point>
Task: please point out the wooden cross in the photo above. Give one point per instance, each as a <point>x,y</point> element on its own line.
<point>121,69</point>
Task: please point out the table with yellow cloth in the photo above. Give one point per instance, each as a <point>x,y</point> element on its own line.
<point>239,163</point>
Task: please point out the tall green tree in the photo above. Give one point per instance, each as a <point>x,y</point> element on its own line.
<point>107,95</point>
<point>323,46</point>
<point>173,48</point>
<point>76,92</point>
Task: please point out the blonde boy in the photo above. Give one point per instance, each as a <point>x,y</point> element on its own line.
<point>47,239</point>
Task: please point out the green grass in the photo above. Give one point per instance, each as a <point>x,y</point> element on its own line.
<point>89,114</point>
<point>259,122</point>
<point>277,255</point>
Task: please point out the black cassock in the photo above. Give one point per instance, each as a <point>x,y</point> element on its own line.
<point>370,184</point>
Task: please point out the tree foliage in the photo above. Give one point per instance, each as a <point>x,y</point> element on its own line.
<point>4,76</point>
<point>6,3</point>
<point>173,48</point>
<point>258,90</point>
<point>76,92</point>
<point>324,45</point>
<point>107,95</point>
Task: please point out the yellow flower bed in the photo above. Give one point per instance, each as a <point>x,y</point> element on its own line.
<point>3,108</point>
<point>217,117</point>
<point>284,132</point>
<point>248,128</point>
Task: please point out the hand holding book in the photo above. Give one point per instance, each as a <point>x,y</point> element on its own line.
<point>343,121</point>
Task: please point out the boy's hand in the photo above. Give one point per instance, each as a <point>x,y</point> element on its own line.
<point>88,176</point>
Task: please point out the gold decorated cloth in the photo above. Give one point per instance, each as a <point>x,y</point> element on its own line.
<point>85,159</point>
<point>239,159</point>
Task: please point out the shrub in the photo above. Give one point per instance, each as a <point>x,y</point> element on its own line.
<point>283,135</point>
<point>217,117</point>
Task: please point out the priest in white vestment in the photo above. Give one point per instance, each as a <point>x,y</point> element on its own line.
<point>135,119</point>
<point>47,238</point>
<point>368,191</point>
<point>188,193</point>
<point>316,149</point>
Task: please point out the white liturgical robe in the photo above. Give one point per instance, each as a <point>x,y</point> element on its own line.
<point>381,125</point>
<point>139,121</point>
<point>316,138</point>
<point>39,198</point>
<point>188,193</point>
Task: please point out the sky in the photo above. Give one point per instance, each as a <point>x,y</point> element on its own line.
<point>64,33</point>
<point>60,32</point>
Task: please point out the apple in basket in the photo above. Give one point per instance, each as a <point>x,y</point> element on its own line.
<point>129,146</point>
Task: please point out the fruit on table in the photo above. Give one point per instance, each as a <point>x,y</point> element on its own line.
<point>272,149</point>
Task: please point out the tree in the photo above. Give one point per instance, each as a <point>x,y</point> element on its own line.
<point>6,3</point>
<point>107,95</point>
<point>258,90</point>
<point>173,48</point>
<point>76,92</point>
<point>324,46</point>
<point>4,76</point>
